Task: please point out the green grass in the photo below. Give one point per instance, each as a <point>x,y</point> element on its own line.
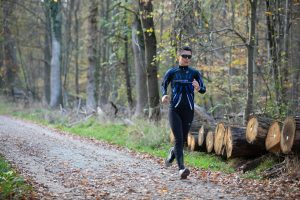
<point>12,186</point>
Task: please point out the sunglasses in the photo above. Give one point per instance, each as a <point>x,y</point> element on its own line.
<point>186,56</point>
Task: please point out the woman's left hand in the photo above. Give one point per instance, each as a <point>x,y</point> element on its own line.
<point>196,85</point>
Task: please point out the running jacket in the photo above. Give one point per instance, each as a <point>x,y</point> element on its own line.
<point>181,79</point>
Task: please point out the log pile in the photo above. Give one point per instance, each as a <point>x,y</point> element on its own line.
<point>261,135</point>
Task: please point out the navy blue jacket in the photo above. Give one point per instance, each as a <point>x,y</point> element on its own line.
<point>181,79</point>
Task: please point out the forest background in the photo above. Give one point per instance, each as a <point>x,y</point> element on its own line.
<point>113,54</point>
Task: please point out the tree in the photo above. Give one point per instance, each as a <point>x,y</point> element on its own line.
<point>146,16</point>
<point>91,101</point>
<point>251,58</point>
<point>10,68</point>
<point>47,51</point>
<point>55,80</point>
<point>140,68</point>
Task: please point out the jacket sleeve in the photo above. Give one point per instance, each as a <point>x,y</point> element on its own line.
<point>165,82</point>
<point>201,83</point>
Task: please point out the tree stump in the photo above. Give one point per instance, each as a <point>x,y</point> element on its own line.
<point>290,135</point>
<point>272,142</point>
<point>219,138</point>
<point>209,141</point>
<point>257,129</point>
<point>238,146</point>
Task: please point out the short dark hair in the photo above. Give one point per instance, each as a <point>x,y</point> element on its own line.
<point>184,48</point>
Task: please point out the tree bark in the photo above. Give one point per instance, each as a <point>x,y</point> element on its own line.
<point>55,79</point>
<point>76,46</point>
<point>146,9</point>
<point>10,68</point>
<point>47,52</point>
<point>273,137</point>
<point>140,68</point>
<point>251,59</point>
<point>237,145</point>
<point>91,101</point>
<point>290,135</point>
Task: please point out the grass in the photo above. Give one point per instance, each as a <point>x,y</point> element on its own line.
<point>12,186</point>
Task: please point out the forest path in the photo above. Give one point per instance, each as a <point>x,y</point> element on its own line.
<point>62,166</point>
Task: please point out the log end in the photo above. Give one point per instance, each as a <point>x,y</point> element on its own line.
<point>219,138</point>
<point>228,143</point>
<point>287,135</point>
<point>251,130</point>
<point>209,141</point>
<point>272,142</point>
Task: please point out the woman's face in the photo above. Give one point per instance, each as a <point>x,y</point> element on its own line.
<point>184,59</point>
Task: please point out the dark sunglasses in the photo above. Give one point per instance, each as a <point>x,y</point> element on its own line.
<point>186,56</point>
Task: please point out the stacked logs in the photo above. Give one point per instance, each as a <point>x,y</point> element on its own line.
<point>261,135</point>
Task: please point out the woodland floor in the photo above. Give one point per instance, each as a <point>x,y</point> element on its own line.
<point>62,166</point>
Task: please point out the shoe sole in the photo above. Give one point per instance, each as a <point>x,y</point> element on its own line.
<point>185,174</point>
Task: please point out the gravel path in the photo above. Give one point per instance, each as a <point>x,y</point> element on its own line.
<point>62,166</point>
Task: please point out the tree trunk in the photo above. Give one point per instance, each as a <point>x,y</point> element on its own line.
<point>10,68</point>
<point>140,69</point>
<point>55,80</point>
<point>76,30</point>
<point>219,142</point>
<point>67,49</point>
<point>47,52</point>
<point>290,135</point>
<point>251,59</point>
<point>146,10</point>
<point>237,145</point>
<point>273,137</point>
<point>127,74</point>
<point>257,129</point>
<point>91,101</point>
<point>104,49</point>
<point>209,141</point>
<point>294,58</point>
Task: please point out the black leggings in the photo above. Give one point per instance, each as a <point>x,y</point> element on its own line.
<point>180,121</point>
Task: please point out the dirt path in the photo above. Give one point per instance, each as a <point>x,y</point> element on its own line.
<point>62,166</point>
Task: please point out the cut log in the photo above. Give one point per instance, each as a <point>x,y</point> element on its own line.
<point>272,142</point>
<point>191,143</point>
<point>238,146</point>
<point>219,138</point>
<point>290,135</point>
<point>257,129</point>
<point>202,134</point>
<point>194,143</point>
<point>209,141</point>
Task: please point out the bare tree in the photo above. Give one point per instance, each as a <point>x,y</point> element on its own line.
<point>140,68</point>
<point>91,101</point>
<point>251,58</point>
<point>10,67</point>
<point>55,80</point>
<point>146,16</point>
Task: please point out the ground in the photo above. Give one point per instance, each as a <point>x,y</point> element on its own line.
<point>63,166</point>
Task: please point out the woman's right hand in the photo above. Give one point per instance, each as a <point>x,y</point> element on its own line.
<point>165,99</point>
